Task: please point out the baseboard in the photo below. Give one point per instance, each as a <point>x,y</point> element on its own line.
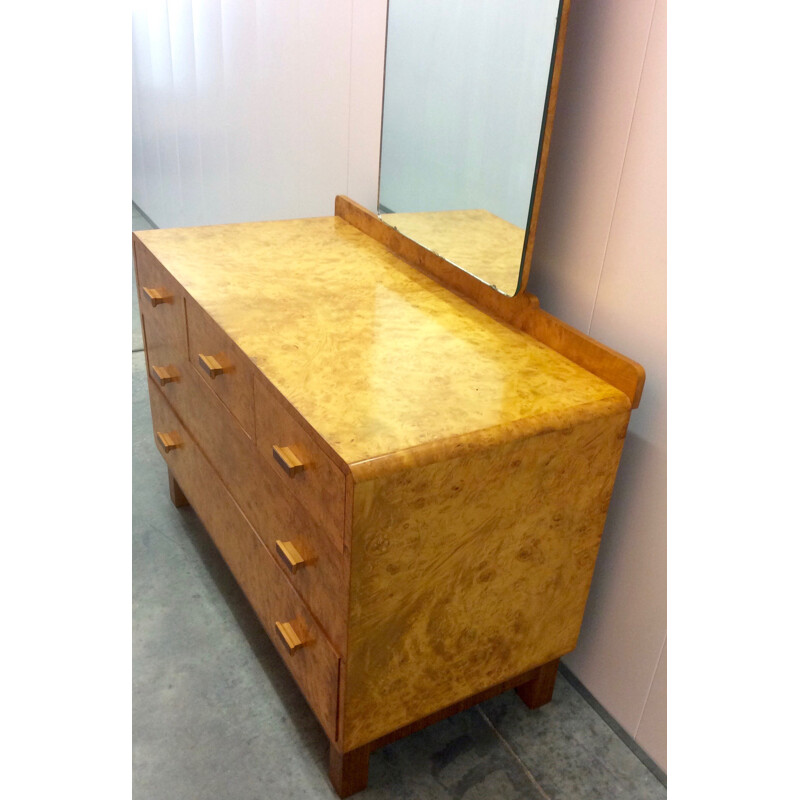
<point>141,213</point>
<point>659,773</point>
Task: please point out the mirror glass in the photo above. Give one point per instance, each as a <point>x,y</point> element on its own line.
<point>466,94</point>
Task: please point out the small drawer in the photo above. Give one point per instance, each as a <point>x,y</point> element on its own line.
<point>266,503</point>
<point>292,629</point>
<point>161,307</point>
<point>221,364</point>
<point>306,472</point>
<point>310,561</point>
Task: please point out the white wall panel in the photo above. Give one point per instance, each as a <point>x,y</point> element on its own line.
<point>184,94</point>
<point>243,109</point>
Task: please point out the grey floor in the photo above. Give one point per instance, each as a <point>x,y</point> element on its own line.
<point>216,715</point>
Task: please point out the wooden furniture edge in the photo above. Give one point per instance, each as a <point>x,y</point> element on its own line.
<point>258,374</point>
<point>521,311</point>
<point>509,309</point>
<point>348,771</point>
<point>541,167</point>
<point>462,445</point>
<point>620,371</point>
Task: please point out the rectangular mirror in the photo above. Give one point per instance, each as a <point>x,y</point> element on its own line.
<point>469,99</point>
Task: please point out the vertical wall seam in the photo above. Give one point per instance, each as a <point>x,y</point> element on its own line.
<point>195,112</point>
<point>622,167</point>
<point>228,195</point>
<point>174,114</point>
<point>649,687</point>
<point>349,97</point>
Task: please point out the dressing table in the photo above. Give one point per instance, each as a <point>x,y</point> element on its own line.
<point>406,471</point>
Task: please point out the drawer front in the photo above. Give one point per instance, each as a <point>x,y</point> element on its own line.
<point>221,365</point>
<point>304,470</point>
<point>287,621</point>
<point>161,306</point>
<point>264,501</point>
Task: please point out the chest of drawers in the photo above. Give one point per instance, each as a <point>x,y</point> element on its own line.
<point>410,491</point>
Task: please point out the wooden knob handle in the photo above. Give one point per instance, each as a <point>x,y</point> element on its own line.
<point>157,296</point>
<point>289,637</point>
<point>210,365</point>
<point>164,375</point>
<point>288,459</point>
<point>289,555</point>
<point>168,441</point>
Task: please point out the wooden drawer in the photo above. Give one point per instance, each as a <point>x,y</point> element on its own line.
<point>221,364</point>
<point>305,471</point>
<point>314,664</point>
<point>161,306</point>
<point>262,497</point>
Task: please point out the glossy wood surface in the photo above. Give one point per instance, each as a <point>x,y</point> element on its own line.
<point>331,316</point>
<point>512,310</point>
<point>468,571</point>
<point>522,311</point>
<point>475,240</point>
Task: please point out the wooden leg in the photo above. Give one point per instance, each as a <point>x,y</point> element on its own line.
<point>539,689</point>
<point>348,771</point>
<point>176,493</point>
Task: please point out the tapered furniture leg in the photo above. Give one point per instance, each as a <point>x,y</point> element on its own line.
<point>176,493</point>
<point>349,771</point>
<point>539,689</point>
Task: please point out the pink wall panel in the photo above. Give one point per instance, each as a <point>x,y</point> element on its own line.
<point>600,263</point>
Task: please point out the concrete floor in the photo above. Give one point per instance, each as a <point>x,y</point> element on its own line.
<point>216,715</point>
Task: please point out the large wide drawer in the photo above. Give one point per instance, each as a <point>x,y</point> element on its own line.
<point>302,645</point>
<point>271,510</point>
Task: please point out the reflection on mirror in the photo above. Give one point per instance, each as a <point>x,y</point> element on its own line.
<point>466,114</point>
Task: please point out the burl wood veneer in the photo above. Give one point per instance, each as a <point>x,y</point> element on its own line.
<point>411,491</point>
<point>478,241</point>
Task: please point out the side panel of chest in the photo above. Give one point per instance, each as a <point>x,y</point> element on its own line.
<point>472,570</point>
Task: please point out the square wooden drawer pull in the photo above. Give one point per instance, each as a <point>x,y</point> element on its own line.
<point>157,296</point>
<point>211,365</point>
<point>168,441</point>
<point>287,458</point>
<point>289,555</point>
<point>164,375</point>
<point>289,637</point>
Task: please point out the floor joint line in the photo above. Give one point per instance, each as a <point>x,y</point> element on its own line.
<point>514,755</point>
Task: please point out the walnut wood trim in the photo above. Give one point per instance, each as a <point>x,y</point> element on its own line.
<point>538,691</point>
<point>349,772</point>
